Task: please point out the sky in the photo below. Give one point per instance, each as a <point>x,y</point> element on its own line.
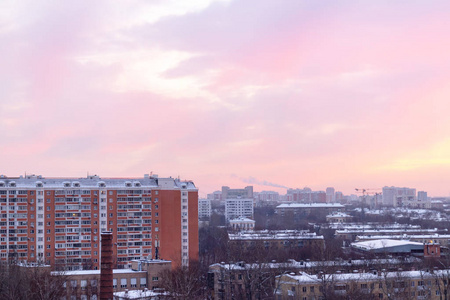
<point>271,93</point>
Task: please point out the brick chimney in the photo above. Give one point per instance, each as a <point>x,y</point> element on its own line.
<point>106,270</point>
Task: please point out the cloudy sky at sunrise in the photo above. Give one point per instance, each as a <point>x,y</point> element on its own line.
<point>269,93</point>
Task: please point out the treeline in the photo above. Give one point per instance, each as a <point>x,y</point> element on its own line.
<point>31,283</point>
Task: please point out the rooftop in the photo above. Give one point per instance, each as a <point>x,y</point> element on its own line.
<point>32,181</point>
<point>383,243</point>
<point>274,235</point>
<point>310,205</point>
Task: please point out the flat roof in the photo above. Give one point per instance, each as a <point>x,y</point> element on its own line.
<point>383,243</point>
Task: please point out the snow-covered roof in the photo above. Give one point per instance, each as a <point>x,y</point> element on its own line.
<point>404,236</point>
<point>310,205</point>
<point>95,272</point>
<point>31,181</point>
<point>242,220</point>
<point>338,215</point>
<point>372,276</point>
<point>378,231</point>
<point>138,294</point>
<point>304,265</point>
<point>382,244</point>
<point>274,235</point>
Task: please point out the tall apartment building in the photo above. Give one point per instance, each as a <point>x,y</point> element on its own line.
<point>397,197</point>
<point>331,197</point>
<point>235,208</point>
<point>306,195</point>
<point>228,193</point>
<point>238,202</point>
<point>204,209</point>
<point>59,220</point>
<point>422,196</point>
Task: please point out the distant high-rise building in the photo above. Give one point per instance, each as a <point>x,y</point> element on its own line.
<point>204,209</point>
<point>239,207</point>
<point>228,193</point>
<point>330,194</point>
<point>268,196</point>
<point>422,196</point>
<point>397,197</point>
<point>215,196</point>
<point>238,202</point>
<point>58,221</point>
<point>306,195</point>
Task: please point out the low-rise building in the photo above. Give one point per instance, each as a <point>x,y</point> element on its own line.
<point>386,246</point>
<point>277,239</point>
<point>259,280</point>
<point>350,234</point>
<point>308,208</point>
<point>442,239</point>
<point>373,285</point>
<point>339,217</point>
<point>242,224</point>
<point>145,274</point>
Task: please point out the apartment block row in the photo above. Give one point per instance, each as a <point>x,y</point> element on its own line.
<point>58,221</point>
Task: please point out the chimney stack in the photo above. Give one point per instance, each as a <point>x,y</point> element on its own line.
<point>106,271</point>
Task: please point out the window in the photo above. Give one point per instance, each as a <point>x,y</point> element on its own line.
<point>73,283</point>
<point>115,283</point>
<point>304,289</point>
<point>83,284</point>
<point>133,282</point>
<point>311,289</point>
<point>123,282</point>
<point>155,278</point>
<point>143,282</point>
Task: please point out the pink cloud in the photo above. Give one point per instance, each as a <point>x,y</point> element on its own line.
<point>294,92</point>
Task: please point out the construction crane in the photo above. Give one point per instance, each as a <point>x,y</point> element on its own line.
<point>365,192</point>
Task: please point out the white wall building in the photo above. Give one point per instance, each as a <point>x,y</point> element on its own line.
<point>397,197</point>
<point>239,207</point>
<point>204,209</point>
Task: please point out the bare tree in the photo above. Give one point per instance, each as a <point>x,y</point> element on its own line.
<point>34,283</point>
<point>184,282</point>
